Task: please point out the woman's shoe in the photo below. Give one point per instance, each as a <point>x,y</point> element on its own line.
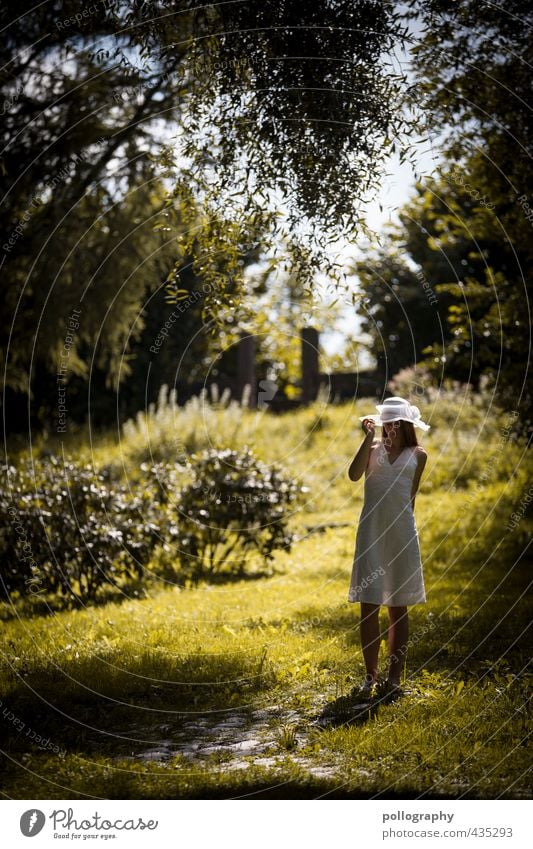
<point>387,691</point>
<point>365,690</point>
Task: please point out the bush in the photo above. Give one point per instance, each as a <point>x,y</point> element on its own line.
<point>68,528</point>
<point>234,507</point>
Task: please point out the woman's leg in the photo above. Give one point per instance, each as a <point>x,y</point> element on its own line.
<point>398,637</point>
<point>370,637</point>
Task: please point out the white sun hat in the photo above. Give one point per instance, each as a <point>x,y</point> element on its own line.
<point>394,410</point>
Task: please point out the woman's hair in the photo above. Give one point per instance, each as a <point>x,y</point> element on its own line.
<point>408,432</point>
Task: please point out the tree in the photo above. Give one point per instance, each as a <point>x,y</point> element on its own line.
<point>399,312</point>
<point>85,95</point>
<point>75,173</point>
<point>440,291</point>
<point>299,107</point>
<point>473,76</point>
<point>81,199</point>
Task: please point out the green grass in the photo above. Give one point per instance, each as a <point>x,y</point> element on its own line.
<point>107,683</point>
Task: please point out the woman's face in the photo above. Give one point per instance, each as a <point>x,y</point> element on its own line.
<point>392,430</point>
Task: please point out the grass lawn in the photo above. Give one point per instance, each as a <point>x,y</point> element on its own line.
<point>214,691</point>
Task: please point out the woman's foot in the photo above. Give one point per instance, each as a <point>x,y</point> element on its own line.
<point>389,690</point>
<point>366,688</point>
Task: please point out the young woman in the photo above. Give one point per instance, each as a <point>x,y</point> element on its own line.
<point>387,568</point>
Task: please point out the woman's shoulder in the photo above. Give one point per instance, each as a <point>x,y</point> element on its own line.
<point>421,454</point>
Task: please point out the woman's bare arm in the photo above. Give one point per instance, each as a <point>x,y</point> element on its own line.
<point>360,461</point>
<point>422,459</point>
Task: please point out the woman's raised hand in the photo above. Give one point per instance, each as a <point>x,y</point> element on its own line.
<point>368,426</point>
<point>360,461</point>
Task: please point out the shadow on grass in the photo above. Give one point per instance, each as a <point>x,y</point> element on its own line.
<point>228,787</point>
<point>345,711</point>
<point>31,607</point>
<point>305,788</point>
<point>92,705</point>
<point>355,709</point>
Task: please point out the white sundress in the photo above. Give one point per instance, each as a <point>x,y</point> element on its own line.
<point>387,568</point>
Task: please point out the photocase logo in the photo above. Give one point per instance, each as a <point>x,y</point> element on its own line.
<point>269,389</point>
<point>31,822</point>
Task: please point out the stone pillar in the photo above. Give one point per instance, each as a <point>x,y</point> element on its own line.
<point>310,373</point>
<point>246,368</point>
